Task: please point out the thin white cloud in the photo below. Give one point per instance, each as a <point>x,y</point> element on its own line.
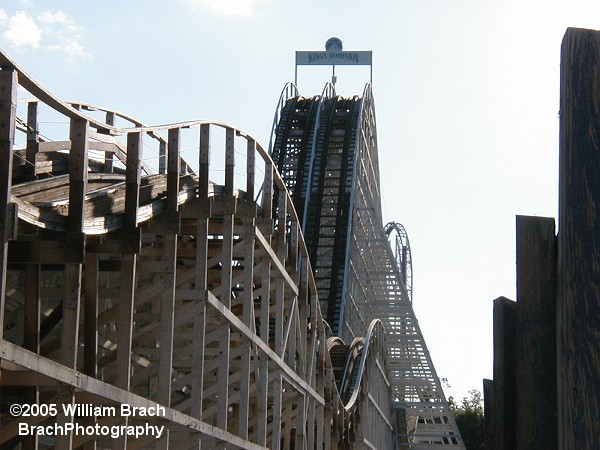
<point>50,31</point>
<point>228,7</point>
<point>22,31</point>
<point>64,34</point>
<point>73,49</point>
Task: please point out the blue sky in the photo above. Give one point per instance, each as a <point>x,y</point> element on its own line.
<point>466,96</point>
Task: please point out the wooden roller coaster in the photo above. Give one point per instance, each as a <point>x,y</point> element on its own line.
<point>179,301</point>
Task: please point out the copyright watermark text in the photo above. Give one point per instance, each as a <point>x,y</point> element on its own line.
<point>82,410</point>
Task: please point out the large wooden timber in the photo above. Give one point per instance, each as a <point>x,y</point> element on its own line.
<point>557,401</point>
<point>578,312</point>
<point>504,373</point>
<point>535,351</point>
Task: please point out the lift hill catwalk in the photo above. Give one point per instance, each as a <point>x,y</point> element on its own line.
<point>253,294</point>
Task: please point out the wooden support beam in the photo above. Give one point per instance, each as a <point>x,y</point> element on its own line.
<point>133,178</point>
<point>33,140</point>
<point>8,107</point>
<point>125,321</point>
<point>229,160</point>
<point>69,339</point>
<point>488,408</point>
<point>173,169</point>
<point>248,320</point>
<point>536,423</point>
<point>78,165</point>
<point>268,191</point>
<point>31,339</point>
<point>109,156</point>
<point>204,161</point>
<point>262,385</point>
<point>578,308</point>
<point>162,157</point>
<point>167,329</point>
<point>224,342</point>
<point>504,373</point>
<point>200,286</point>
<point>250,168</point>
<point>90,315</point>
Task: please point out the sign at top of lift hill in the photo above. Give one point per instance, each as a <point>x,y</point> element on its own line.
<point>308,58</point>
<point>334,56</point>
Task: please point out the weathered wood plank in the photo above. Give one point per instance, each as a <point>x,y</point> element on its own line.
<point>173,169</point>
<point>229,161</point>
<point>488,408</point>
<point>504,373</point>
<point>578,311</point>
<point>536,334</point>
<point>248,320</point>
<point>8,107</point>
<point>90,315</point>
<point>250,168</point>
<point>78,165</point>
<point>200,285</point>
<point>204,161</point>
<point>133,178</point>
<point>33,141</point>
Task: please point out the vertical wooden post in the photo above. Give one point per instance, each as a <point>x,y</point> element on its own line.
<point>268,192</point>
<point>200,285</point>
<point>109,157</point>
<point>250,168</point>
<point>167,320</point>
<point>32,334</point>
<point>8,107</point>
<point>578,309</point>
<point>162,157</point>
<point>128,270</point>
<point>204,161</point>
<point>488,408</point>
<point>224,341</point>
<point>90,335</point>
<point>200,282</point>
<point>504,373</point>
<point>173,169</point>
<point>536,333</point>
<point>90,330</point>
<point>248,319</point>
<point>133,178</point>
<point>78,163</point>
<point>263,382</point>
<point>229,161</point>
<point>69,332</point>
<point>33,140</point>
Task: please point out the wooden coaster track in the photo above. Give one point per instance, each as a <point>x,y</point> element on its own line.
<point>123,283</point>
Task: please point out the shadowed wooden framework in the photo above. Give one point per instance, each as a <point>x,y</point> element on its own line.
<point>134,280</point>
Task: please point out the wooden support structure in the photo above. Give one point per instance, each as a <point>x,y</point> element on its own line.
<point>129,288</point>
<point>504,373</point>
<point>8,106</point>
<point>578,312</point>
<point>556,401</point>
<point>535,407</point>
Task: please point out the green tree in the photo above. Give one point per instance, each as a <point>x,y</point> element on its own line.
<point>469,419</point>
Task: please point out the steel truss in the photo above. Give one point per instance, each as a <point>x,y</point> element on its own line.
<point>125,285</point>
